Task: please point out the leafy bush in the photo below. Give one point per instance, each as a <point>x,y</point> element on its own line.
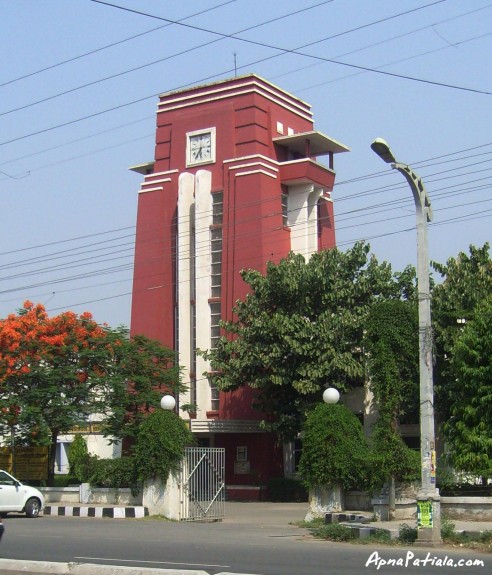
<point>485,537</point>
<point>286,489</point>
<point>391,457</point>
<point>334,532</point>
<point>115,473</point>
<point>334,450</point>
<point>407,534</point>
<point>160,445</point>
<point>65,480</point>
<point>85,468</point>
<point>447,529</point>
<point>77,455</point>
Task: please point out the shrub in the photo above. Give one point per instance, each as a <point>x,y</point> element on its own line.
<point>77,455</point>
<point>286,489</point>
<point>392,458</point>
<point>85,468</point>
<point>407,534</point>
<point>485,537</point>
<point>334,449</point>
<point>447,529</point>
<point>160,445</point>
<point>115,473</point>
<point>64,480</point>
<point>334,532</point>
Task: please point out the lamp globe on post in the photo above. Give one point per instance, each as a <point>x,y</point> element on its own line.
<point>168,403</point>
<point>331,395</point>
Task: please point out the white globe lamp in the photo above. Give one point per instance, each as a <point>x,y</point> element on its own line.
<point>168,403</point>
<point>331,395</point>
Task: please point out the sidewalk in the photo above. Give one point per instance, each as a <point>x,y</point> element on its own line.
<point>256,513</point>
<point>285,513</point>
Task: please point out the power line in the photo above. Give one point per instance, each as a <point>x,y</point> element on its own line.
<point>128,266</point>
<point>112,45</point>
<point>359,194</point>
<point>141,67</point>
<point>385,41</point>
<point>282,50</point>
<point>297,50</point>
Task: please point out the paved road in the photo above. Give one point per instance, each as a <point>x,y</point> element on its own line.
<point>252,539</point>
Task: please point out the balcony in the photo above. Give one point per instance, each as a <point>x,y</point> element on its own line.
<point>306,171</point>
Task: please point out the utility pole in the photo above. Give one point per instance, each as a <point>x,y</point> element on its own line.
<point>428,498</point>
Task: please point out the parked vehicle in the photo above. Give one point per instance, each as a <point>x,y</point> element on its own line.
<point>17,497</point>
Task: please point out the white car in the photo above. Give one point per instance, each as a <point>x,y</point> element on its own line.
<point>17,497</point>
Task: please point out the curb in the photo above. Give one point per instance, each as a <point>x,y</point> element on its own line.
<point>14,567</point>
<point>358,523</point>
<point>347,517</point>
<point>133,512</point>
<point>363,531</point>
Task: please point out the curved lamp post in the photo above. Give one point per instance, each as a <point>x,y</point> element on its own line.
<point>168,403</point>
<point>428,497</point>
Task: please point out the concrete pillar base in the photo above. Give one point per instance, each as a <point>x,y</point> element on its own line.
<point>430,536</point>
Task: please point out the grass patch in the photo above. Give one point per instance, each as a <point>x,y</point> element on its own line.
<point>334,532</point>
<point>380,536</point>
<point>314,523</point>
<point>407,535</point>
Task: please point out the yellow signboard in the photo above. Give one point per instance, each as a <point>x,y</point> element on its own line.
<point>31,463</point>
<point>91,427</point>
<point>424,514</point>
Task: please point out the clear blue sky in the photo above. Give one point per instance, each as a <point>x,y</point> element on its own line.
<point>76,113</point>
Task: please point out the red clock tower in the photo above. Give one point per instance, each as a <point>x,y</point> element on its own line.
<point>235,184</point>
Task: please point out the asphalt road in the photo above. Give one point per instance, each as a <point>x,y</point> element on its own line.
<point>235,547</point>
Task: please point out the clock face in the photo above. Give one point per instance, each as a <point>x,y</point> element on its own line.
<point>200,147</point>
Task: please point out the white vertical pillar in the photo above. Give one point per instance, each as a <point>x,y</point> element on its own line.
<point>186,185</point>
<point>303,219</point>
<point>203,260</point>
<point>312,221</point>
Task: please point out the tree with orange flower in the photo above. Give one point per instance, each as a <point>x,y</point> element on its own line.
<point>51,369</point>
<point>57,371</point>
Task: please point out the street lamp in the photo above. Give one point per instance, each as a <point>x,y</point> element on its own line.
<point>331,395</point>
<point>428,499</point>
<point>168,403</point>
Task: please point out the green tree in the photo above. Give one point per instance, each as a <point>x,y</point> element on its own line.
<point>139,373</point>
<point>50,374</point>
<point>56,372</point>
<point>467,281</point>
<point>469,429</point>
<point>391,343</point>
<point>300,328</point>
<point>334,449</point>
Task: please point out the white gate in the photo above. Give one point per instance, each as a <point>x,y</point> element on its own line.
<point>202,487</point>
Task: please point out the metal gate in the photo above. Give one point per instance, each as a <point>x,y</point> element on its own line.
<point>202,487</point>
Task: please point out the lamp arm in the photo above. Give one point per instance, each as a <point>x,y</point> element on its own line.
<point>422,200</point>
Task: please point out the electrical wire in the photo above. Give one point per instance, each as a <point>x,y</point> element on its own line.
<point>282,50</point>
